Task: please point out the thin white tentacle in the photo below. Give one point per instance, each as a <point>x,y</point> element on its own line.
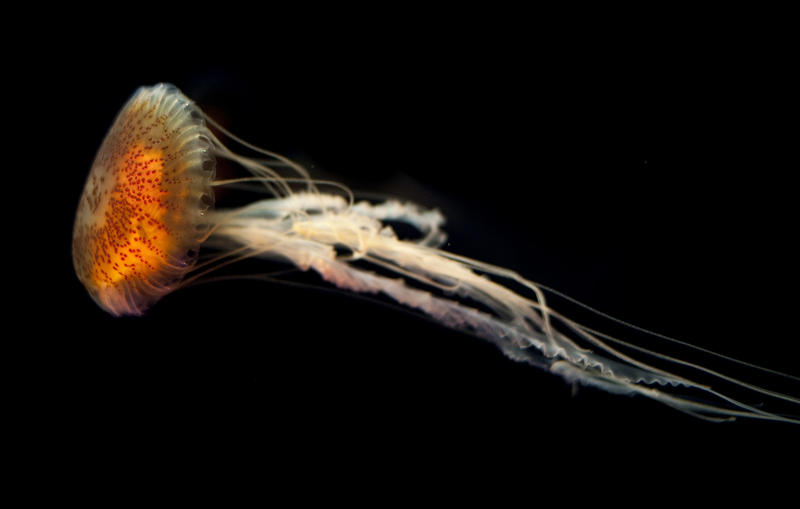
<point>306,229</point>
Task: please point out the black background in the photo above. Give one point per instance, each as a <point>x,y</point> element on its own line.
<point>652,186</point>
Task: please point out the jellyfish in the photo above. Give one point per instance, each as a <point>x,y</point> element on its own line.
<point>147,210</point>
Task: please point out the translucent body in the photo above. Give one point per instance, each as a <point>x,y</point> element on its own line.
<point>327,233</point>
<point>140,218</point>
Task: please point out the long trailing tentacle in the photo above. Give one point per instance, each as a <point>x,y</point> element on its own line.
<point>310,228</point>
<point>525,328</point>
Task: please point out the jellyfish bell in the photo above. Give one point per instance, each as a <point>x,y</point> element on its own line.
<point>141,217</point>
<point>147,209</point>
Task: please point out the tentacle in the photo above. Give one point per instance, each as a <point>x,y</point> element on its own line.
<point>428,222</point>
<point>306,229</point>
